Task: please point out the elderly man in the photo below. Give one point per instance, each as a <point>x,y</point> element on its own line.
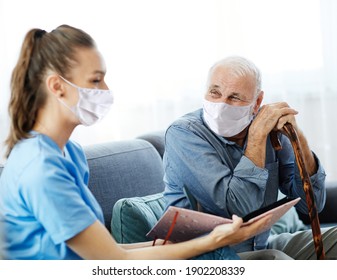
<point>221,156</point>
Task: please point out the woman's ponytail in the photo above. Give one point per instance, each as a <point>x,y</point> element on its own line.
<point>22,105</point>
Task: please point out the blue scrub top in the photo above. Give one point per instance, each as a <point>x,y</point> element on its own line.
<point>45,199</point>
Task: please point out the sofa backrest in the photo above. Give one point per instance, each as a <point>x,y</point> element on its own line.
<point>157,139</point>
<point>123,169</point>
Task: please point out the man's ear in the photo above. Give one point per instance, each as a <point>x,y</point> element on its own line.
<point>258,102</point>
<point>55,85</point>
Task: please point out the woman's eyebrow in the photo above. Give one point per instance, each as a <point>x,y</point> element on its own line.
<point>99,72</point>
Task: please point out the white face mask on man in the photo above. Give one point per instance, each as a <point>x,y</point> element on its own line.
<point>93,104</point>
<point>227,120</point>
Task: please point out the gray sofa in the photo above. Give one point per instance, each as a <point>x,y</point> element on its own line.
<point>123,170</point>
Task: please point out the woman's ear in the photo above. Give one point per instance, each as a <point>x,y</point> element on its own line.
<point>258,102</point>
<point>55,85</point>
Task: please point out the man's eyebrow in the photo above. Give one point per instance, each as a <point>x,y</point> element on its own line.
<point>214,86</point>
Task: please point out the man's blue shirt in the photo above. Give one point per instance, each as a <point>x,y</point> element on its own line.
<point>223,180</point>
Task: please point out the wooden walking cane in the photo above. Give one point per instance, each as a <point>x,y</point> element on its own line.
<point>291,133</point>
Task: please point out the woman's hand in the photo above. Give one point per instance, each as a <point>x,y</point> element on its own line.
<point>230,234</point>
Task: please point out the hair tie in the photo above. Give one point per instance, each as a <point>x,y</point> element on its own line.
<point>39,33</point>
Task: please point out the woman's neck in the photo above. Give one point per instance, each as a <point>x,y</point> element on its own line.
<point>59,133</point>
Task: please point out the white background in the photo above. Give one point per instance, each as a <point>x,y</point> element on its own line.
<point>158,53</point>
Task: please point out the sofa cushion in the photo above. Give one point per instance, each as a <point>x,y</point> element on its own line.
<point>132,218</point>
<point>289,222</point>
<point>1,168</point>
<point>122,169</point>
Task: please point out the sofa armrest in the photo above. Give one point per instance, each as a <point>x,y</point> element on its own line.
<point>329,213</point>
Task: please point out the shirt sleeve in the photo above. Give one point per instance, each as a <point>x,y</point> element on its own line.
<point>191,161</point>
<point>51,192</point>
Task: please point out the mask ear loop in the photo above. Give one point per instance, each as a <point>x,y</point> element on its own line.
<point>69,83</point>
<point>62,102</point>
<point>174,221</point>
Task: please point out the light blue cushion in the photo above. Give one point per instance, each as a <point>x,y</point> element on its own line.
<point>289,222</point>
<point>132,218</point>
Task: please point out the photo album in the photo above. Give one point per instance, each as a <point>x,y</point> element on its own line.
<point>180,224</point>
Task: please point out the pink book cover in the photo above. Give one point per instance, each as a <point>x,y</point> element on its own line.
<point>184,224</point>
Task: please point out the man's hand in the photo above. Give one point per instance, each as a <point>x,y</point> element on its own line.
<point>271,116</point>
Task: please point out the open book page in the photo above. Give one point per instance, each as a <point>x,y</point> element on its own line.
<point>179,224</point>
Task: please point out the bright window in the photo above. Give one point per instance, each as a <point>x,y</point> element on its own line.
<point>158,54</point>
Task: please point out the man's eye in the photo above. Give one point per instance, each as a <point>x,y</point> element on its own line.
<point>214,93</point>
<point>234,98</point>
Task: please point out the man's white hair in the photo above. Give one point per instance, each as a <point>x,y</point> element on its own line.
<point>239,67</point>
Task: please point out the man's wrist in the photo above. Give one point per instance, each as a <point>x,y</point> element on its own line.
<point>256,150</point>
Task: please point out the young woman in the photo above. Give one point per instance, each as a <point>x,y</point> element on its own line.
<point>46,207</point>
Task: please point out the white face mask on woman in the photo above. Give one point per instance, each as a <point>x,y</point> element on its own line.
<point>227,120</point>
<point>93,104</point>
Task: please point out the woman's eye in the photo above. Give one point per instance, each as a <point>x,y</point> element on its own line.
<point>96,82</point>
